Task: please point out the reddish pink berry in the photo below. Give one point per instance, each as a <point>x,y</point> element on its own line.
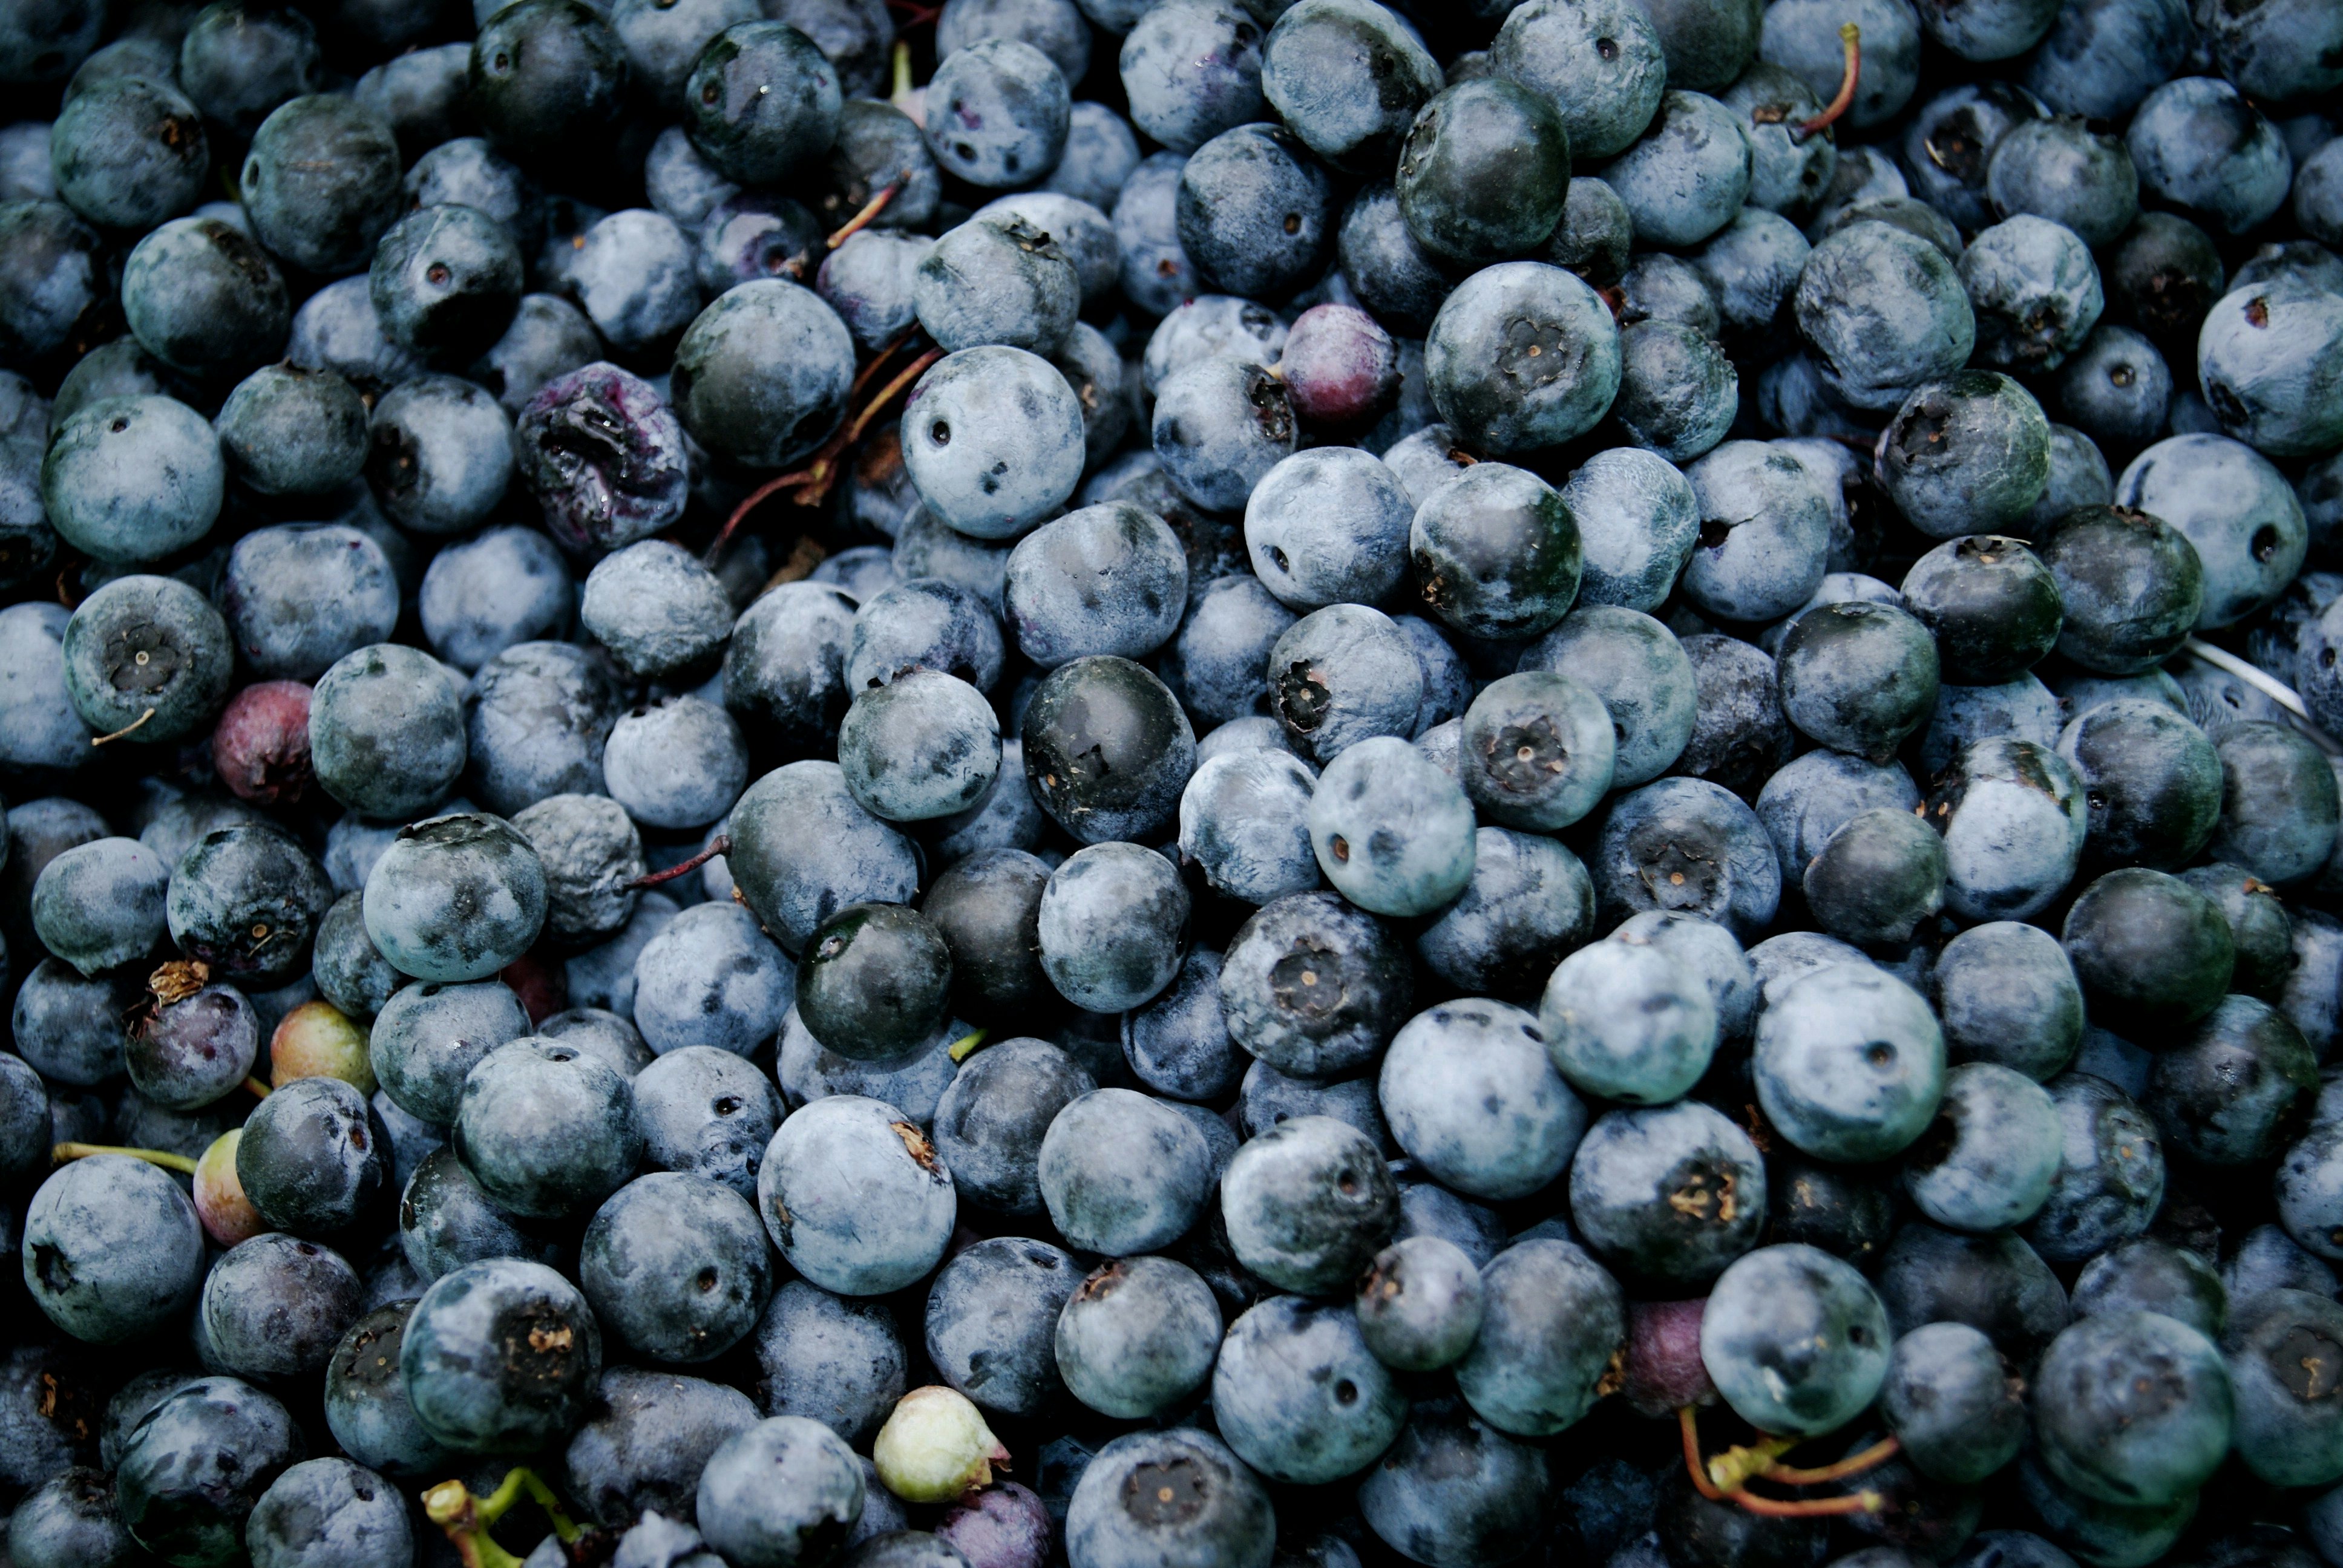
<point>261,744</point>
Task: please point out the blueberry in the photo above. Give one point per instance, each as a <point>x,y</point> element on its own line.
<point>456,897</point>
<point>1223,645</point>
<point>1850,1064</point>
<point>446,1221</point>
<point>657,609</point>
<point>1297,1395</point>
<point>644,1446</point>
<point>2229,1092</point>
<point>71,1519</point>
<point>1638,521</point>
<point>2276,810</point>
<point>1551,1321</point>
<point>316,1161</point>
<point>1484,171</point>
<point>1099,155</point>
<point>133,478</point>
<point>99,906</point>
<point>879,145</point>
<point>2280,1430</point>
<point>2098,1438</point>
<point>501,1356</point>
<point>1687,173</point>
<point>442,455</point>
<point>873,983</point>
<point>466,172</point>
<point>1521,356</point>
<point>802,850</point>
<point>1685,845</point>
<point>301,596</point>
<point>784,1491</point>
<point>2123,629</point>
<point>1600,67</point>
<point>1107,749</point>
<point>1001,114</point>
<point>838,1361</point>
<point>246,900</point>
<point>675,1266</point>
<point>2153,1276</point>
<point>274,1307</point>
<point>1313,986</point>
<point>1391,274</point>
<point>1796,1338</point>
<point>1677,390</point>
<point>48,44</point>
<point>1454,1492</point>
<point>1218,1512</point>
<point>1883,310</point>
<point>128,153</point>
<point>69,1028</point>
<point>2263,359</point>
<point>761,374</point>
<point>2005,993</point>
<point>992,1118</point>
<point>1347,79</point>
<point>1628,1022</point>
<point>1157,275</point>
<point>2112,1177</point>
<point>546,1129</point>
<point>202,297</point>
<point>1954,1402</point>
<point>2100,60</point>
<point>1471,1096</point>
<point>546,77</point>
<point>2153,783</point>
<point>2199,146</point>
<point>821,1185</point>
<point>1989,603</point>
<point>870,281</point>
<point>1308,1203</point>
<point>604,456</point>
<point>1327,526</point>
<point>1112,923</point>
<point>1988,1161</point>
<point>1138,1337</point>
<point>194,1469</point>
<point>540,712</point>
<point>991,1321</point>
<point>1391,831</point>
<point>1497,552</point>
<point>707,1111</point>
<point>1761,545</point>
<point>112,1250</point>
<point>1672,1194</point>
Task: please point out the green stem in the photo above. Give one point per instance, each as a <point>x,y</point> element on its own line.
<point>167,1160</point>
<point>966,1045</point>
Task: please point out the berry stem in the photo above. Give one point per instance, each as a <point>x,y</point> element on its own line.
<point>169,1162</point>
<point>716,846</point>
<point>1854,1464</point>
<point>257,1089</point>
<point>1735,1465</point>
<point>1687,1423</point>
<point>869,212</point>
<point>466,1518</point>
<point>967,1045</point>
<point>102,739</point>
<point>1852,36</point>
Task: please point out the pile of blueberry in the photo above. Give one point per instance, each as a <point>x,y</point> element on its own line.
<point>1171,783</point>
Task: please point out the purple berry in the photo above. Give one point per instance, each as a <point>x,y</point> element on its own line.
<point>604,455</point>
<point>1341,368</point>
<point>1002,1526</point>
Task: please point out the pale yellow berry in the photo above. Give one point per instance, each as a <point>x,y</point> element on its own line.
<point>935,1447</point>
